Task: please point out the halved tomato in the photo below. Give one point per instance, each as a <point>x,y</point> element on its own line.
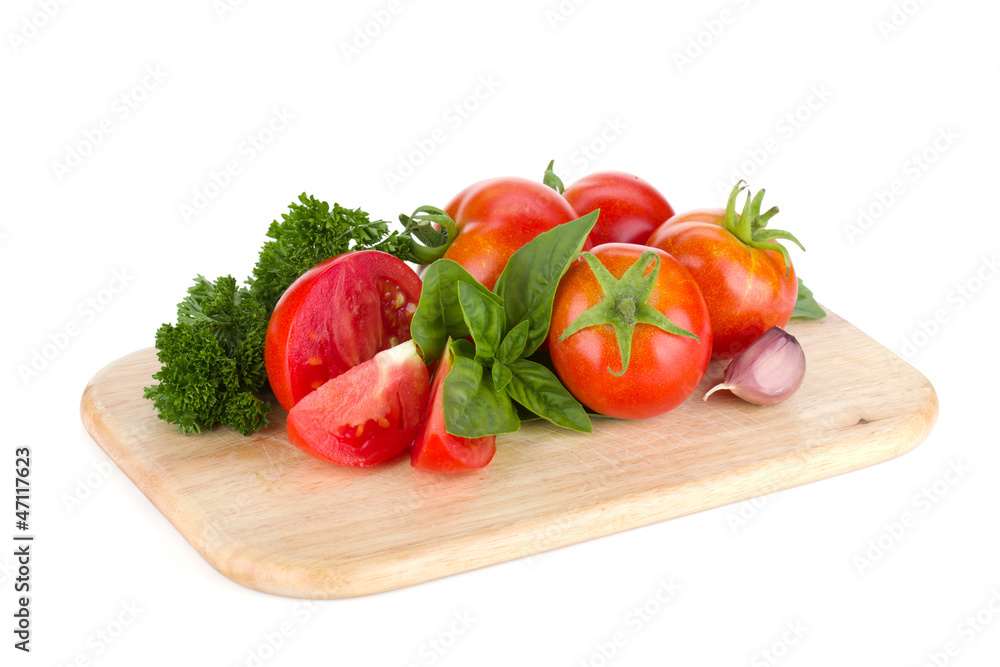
<point>435,448</point>
<point>366,415</point>
<point>337,315</point>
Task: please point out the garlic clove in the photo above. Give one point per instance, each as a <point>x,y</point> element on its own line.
<point>768,371</point>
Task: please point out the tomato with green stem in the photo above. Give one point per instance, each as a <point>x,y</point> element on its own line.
<point>487,222</point>
<point>630,335</point>
<point>745,275</point>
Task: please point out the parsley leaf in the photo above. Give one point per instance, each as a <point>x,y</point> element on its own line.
<point>213,357</point>
<point>213,360</point>
<point>310,232</point>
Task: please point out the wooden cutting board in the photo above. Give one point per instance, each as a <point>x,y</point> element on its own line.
<point>271,518</point>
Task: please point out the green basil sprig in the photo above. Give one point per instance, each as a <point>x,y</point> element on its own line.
<point>439,315</point>
<point>506,326</point>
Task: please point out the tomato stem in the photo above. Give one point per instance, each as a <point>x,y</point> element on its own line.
<point>431,231</point>
<point>624,304</point>
<point>750,225</point>
<point>626,310</point>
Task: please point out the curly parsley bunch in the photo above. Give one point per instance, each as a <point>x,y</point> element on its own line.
<point>213,357</point>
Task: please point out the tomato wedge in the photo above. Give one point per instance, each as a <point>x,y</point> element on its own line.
<point>366,415</point>
<point>435,449</point>
<point>337,315</point>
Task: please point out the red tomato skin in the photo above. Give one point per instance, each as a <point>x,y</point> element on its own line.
<point>496,217</point>
<point>435,449</point>
<point>364,416</point>
<point>336,316</point>
<point>664,369</point>
<point>630,207</point>
<point>712,215</point>
<point>746,289</point>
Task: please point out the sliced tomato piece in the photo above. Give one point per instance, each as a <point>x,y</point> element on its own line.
<point>435,448</point>
<point>366,415</point>
<point>337,315</point>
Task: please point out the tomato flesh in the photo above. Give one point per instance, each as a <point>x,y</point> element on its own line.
<point>435,449</point>
<point>366,415</point>
<point>335,316</point>
<point>630,207</point>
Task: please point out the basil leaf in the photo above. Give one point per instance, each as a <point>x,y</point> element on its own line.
<point>537,388</point>
<point>513,343</point>
<point>463,348</point>
<point>484,318</point>
<point>806,306</point>
<point>473,408</point>
<point>550,179</point>
<point>528,283</point>
<point>439,313</point>
<point>501,375</point>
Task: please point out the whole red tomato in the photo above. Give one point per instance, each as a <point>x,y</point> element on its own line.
<point>747,279</point>
<point>630,207</point>
<point>630,334</point>
<point>496,217</point>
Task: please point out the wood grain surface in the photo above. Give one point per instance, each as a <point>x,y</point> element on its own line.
<point>271,518</point>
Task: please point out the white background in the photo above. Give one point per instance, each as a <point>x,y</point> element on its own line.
<point>824,104</point>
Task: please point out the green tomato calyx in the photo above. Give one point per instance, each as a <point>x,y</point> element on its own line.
<point>624,304</point>
<point>750,226</point>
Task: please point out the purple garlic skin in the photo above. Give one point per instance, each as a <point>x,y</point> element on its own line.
<point>768,371</point>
